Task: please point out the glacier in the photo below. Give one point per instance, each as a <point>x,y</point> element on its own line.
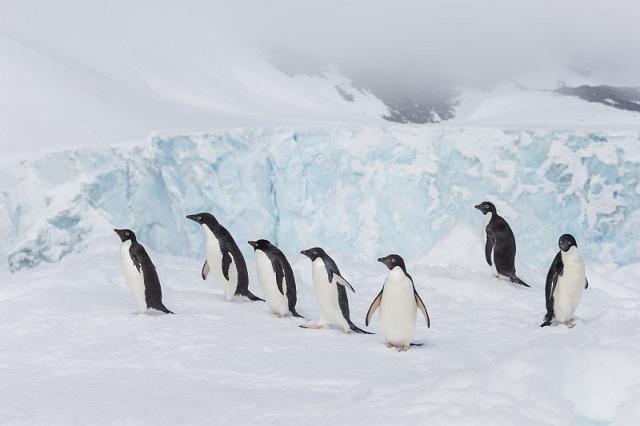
<point>366,191</point>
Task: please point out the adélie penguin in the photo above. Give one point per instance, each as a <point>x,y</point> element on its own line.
<point>140,272</point>
<point>398,302</point>
<point>500,244</point>
<point>276,278</point>
<point>331,292</point>
<point>224,258</point>
<point>566,281</point>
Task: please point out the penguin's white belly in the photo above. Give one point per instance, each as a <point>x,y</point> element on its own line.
<point>398,309</point>
<point>327,296</point>
<point>134,278</point>
<point>276,301</point>
<point>568,290</point>
<point>214,257</point>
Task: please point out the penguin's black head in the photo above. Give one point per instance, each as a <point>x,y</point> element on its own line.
<point>263,245</point>
<point>313,253</point>
<point>202,218</point>
<point>392,261</point>
<point>125,234</point>
<point>486,207</point>
<point>566,242</point>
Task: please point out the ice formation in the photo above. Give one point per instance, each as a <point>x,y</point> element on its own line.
<point>367,191</point>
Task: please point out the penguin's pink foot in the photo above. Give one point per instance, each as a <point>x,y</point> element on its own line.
<point>570,324</point>
<point>312,326</point>
<point>389,345</point>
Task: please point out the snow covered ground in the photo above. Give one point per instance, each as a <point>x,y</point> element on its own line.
<point>73,352</point>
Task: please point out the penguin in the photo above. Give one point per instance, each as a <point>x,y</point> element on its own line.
<point>140,272</point>
<point>499,244</point>
<point>276,278</point>
<point>398,302</point>
<point>224,259</point>
<point>566,281</point>
<point>331,292</point>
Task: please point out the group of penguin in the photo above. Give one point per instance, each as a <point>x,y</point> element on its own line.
<point>398,300</point>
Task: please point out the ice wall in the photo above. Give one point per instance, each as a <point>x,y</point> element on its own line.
<point>365,191</point>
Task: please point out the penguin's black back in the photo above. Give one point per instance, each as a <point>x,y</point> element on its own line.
<point>152,288</point>
<point>504,250</point>
<point>238,259</point>
<point>276,256</point>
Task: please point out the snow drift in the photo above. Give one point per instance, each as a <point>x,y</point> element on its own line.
<point>366,191</point>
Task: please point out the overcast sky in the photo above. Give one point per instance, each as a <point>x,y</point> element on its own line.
<point>435,38</point>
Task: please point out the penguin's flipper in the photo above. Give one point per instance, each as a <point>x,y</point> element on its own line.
<point>152,289</point>
<point>277,269</point>
<point>226,262</point>
<point>374,307</point>
<point>205,270</point>
<point>586,283</point>
<point>343,282</point>
<point>488,248</point>
<point>422,308</point>
<point>555,270</point>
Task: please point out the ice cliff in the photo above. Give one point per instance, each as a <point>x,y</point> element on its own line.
<point>365,191</point>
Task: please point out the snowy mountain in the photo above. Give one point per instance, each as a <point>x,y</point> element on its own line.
<point>96,74</point>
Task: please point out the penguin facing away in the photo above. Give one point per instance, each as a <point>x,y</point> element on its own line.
<point>331,292</point>
<point>566,281</point>
<point>500,244</point>
<point>140,272</point>
<point>224,258</point>
<point>398,302</point>
<point>276,278</point>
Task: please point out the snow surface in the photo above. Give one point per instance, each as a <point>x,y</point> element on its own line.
<point>359,190</point>
<point>74,352</point>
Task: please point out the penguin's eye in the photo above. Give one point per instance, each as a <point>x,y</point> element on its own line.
<point>315,252</point>
<point>199,218</point>
<point>393,260</point>
<point>126,233</point>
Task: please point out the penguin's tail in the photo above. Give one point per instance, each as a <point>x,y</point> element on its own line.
<point>357,329</point>
<point>547,320</point>
<point>252,296</point>
<point>516,280</point>
<point>163,308</point>
<point>295,313</point>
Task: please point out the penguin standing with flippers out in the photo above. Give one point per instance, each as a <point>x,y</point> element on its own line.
<point>398,302</point>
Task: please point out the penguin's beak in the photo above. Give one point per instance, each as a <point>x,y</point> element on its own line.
<point>119,232</point>
<point>381,259</point>
<point>192,217</point>
<point>253,244</point>
<point>479,207</point>
<point>305,252</point>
